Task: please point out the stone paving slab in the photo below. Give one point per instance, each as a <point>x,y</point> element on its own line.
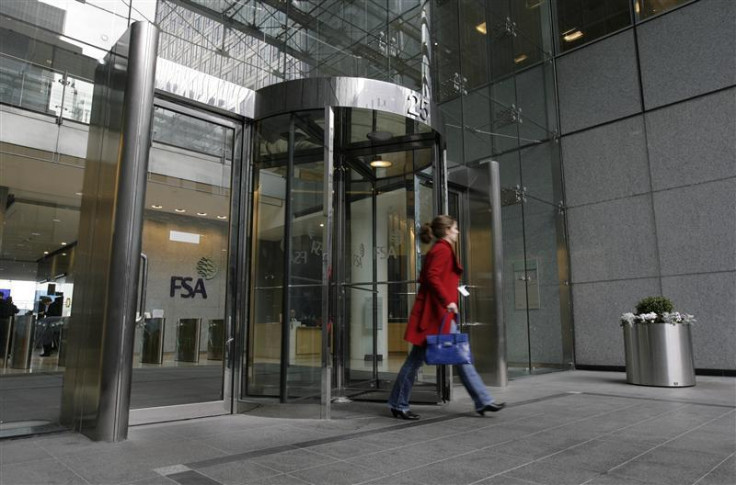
<point>565,428</point>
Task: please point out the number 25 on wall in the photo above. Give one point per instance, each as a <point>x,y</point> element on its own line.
<point>418,107</point>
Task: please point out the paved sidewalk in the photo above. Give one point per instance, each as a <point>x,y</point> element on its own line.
<point>563,428</point>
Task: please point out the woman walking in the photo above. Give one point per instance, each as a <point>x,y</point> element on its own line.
<point>437,296</point>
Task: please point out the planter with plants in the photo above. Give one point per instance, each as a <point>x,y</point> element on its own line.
<point>658,345</point>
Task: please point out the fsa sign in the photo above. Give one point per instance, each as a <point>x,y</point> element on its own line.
<point>182,285</point>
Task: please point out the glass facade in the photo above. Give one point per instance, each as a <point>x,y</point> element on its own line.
<point>487,65</point>
<point>500,105</point>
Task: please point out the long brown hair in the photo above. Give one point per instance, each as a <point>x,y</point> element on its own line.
<point>437,228</point>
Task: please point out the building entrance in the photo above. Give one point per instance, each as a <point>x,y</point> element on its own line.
<point>338,194</point>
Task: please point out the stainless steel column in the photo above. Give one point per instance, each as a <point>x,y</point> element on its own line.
<point>24,329</point>
<point>327,209</point>
<point>152,350</point>
<point>188,335</point>
<point>6,327</point>
<point>499,377</point>
<point>96,393</point>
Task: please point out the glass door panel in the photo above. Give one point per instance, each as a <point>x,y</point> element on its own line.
<point>306,222</point>
<point>286,324</point>
<point>546,332</point>
<point>384,207</point>
<point>264,349</point>
<point>180,336</point>
<point>382,180</point>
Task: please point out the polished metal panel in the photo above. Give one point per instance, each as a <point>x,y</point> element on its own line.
<point>96,393</point>
<point>204,88</point>
<point>659,354</point>
<point>6,327</point>
<point>340,310</point>
<point>21,350</point>
<point>499,374</point>
<point>152,350</point>
<point>63,340</point>
<point>144,288</point>
<point>327,208</point>
<point>216,339</point>
<point>241,208</point>
<point>188,331</point>
<point>346,92</point>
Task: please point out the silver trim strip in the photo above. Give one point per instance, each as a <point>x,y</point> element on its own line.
<point>500,376</point>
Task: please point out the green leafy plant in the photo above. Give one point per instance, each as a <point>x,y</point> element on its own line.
<point>656,309</point>
<point>654,304</point>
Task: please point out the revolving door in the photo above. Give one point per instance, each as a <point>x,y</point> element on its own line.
<point>339,190</point>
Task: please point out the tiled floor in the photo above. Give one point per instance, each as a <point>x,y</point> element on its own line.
<point>564,428</point>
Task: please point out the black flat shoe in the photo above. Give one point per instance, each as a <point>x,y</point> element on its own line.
<point>493,407</point>
<point>404,414</point>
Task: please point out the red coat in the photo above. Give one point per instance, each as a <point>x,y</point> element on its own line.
<point>437,288</point>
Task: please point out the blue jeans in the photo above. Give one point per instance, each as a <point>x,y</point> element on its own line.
<point>399,398</point>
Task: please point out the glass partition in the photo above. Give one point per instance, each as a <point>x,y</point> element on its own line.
<point>504,109</point>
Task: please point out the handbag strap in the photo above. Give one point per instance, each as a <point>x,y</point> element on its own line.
<point>442,325</point>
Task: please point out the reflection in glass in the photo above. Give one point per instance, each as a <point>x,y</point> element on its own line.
<point>306,222</point>
<point>186,241</point>
<point>262,43</point>
<point>538,272</point>
<point>581,22</point>
<point>649,8</point>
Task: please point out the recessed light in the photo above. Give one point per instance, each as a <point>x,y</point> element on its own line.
<point>201,214</point>
<point>55,220</point>
<point>63,254</point>
<point>35,234</point>
<point>180,210</point>
<point>571,35</point>
<point>63,243</point>
<point>156,206</point>
<point>520,58</point>
<point>45,252</point>
<point>481,28</point>
<point>381,164</point>
<point>321,224</point>
<point>222,217</point>
<point>78,193</point>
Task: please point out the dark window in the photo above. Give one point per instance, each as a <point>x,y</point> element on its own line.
<point>581,21</point>
<point>649,8</point>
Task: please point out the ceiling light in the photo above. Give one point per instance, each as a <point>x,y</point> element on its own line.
<point>63,243</point>
<point>571,35</point>
<point>520,58</point>
<point>157,206</point>
<point>381,164</point>
<point>55,220</point>
<point>378,163</point>
<point>222,217</point>
<point>45,252</point>
<point>78,193</point>
<point>35,234</point>
<point>201,213</point>
<point>481,28</point>
<point>180,210</point>
<point>63,254</point>
<point>321,224</point>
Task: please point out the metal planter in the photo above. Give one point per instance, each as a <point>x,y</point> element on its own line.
<point>659,354</point>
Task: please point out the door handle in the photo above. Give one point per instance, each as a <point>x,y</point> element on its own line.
<point>144,288</point>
